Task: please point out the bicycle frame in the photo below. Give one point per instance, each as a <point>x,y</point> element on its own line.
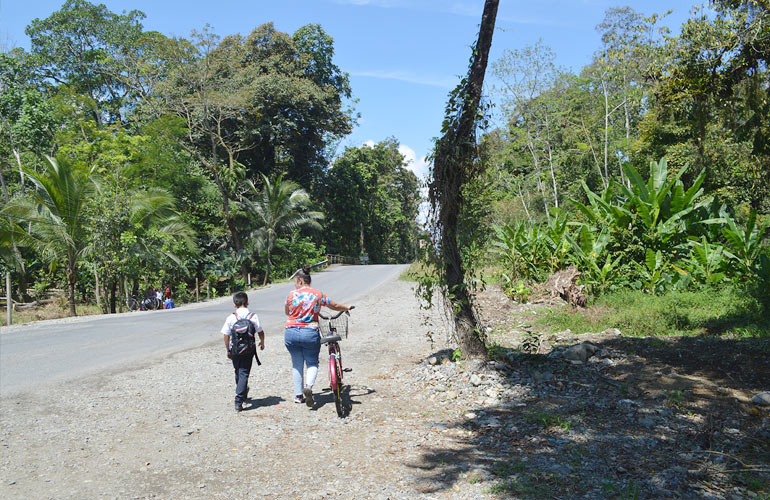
<point>335,359</point>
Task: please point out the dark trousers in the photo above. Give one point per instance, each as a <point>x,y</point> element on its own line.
<point>242,367</point>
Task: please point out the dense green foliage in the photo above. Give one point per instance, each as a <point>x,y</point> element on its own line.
<point>183,158</point>
<point>566,182</point>
<point>699,98</point>
<point>372,202</point>
<point>658,235</point>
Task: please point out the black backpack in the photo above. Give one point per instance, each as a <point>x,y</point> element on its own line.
<point>242,333</point>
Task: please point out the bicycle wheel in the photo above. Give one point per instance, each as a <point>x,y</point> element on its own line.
<point>337,389</point>
<point>132,304</point>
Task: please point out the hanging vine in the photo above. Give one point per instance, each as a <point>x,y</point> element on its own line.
<point>455,163</point>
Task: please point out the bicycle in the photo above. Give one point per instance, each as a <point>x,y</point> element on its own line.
<point>139,304</point>
<point>134,304</point>
<point>332,329</point>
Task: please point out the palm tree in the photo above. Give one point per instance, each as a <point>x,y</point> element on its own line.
<point>129,241</point>
<point>277,208</point>
<point>55,214</point>
<point>155,209</point>
<point>11,235</point>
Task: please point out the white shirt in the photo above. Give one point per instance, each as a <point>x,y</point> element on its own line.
<point>242,312</point>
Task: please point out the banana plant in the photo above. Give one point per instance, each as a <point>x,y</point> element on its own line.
<point>586,255</point>
<point>517,245</point>
<point>604,209</point>
<point>706,262</point>
<point>652,272</point>
<point>745,244</point>
<point>662,206</point>
<point>555,239</point>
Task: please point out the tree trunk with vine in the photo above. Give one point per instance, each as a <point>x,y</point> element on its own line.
<point>455,164</point>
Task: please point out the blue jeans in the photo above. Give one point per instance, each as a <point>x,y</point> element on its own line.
<point>303,344</point>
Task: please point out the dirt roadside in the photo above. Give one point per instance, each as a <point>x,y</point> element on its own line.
<point>168,431</point>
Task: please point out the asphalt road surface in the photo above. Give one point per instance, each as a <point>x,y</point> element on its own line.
<point>39,353</point>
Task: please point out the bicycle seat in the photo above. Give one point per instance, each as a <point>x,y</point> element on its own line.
<point>330,338</point>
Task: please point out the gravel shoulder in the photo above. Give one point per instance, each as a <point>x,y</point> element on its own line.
<point>168,430</point>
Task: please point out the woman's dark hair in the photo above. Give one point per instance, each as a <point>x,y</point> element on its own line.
<point>304,274</point>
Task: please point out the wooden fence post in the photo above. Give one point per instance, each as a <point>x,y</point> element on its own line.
<point>8,299</point>
<point>96,288</point>
<point>197,298</point>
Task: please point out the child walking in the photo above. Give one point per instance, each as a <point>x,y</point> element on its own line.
<point>238,331</point>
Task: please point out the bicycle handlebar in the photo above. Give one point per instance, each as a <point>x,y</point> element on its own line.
<point>338,314</point>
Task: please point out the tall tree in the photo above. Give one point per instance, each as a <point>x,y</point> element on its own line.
<point>527,75</point>
<point>454,164</point>
<point>372,200</point>
<point>27,122</point>
<point>80,45</point>
<point>267,103</point>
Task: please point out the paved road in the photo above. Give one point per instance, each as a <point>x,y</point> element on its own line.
<point>52,351</point>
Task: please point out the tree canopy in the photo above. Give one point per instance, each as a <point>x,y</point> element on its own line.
<point>190,140</point>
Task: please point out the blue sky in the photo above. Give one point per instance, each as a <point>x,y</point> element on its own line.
<point>403,56</point>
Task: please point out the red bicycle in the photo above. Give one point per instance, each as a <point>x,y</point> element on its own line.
<point>332,329</point>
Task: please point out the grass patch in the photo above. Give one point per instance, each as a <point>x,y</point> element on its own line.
<point>548,420</point>
<point>509,468</point>
<point>725,311</point>
<point>534,485</point>
<point>415,271</point>
<point>49,311</point>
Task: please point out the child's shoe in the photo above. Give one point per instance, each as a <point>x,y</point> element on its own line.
<point>299,398</point>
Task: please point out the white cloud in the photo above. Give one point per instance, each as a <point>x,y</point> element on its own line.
<point>424,209</point>
<point>405,76</point>
<point>369,143</point>
<point>418,166</point>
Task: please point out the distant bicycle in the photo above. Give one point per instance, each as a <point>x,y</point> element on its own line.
<point>332,329</point>
<point>140,304</point>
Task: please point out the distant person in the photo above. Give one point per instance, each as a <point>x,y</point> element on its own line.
<point>168,303</point>
<point>148,298</point>
<point>239,333</point>
<point>301,337</point>
<point>168,292</point>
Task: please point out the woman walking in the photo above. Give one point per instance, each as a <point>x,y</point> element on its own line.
<point>301,337</point>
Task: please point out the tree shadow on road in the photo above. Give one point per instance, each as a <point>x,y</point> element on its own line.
<point>644,418</point>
